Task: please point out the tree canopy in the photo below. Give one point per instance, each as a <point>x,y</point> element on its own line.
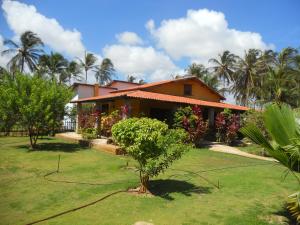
<point>151,143</point>
<point>36,104</point>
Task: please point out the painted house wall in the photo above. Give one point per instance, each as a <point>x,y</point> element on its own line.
<point>84,91</point>
<point>177,88</point>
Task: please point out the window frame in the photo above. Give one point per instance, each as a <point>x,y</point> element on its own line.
<point>187,90</point>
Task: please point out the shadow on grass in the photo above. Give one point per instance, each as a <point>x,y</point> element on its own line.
<point>164,188</point>
<point>55,147</point>
<point>287,215</point>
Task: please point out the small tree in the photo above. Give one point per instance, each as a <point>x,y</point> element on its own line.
<point>151,143</point>
<point>8,106</point>
<point>40,104</point>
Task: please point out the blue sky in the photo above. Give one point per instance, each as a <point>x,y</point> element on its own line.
<point>163,48</point>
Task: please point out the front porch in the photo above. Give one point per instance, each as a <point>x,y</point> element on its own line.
<point>160,110</point>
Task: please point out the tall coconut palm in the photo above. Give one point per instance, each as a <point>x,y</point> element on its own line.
<point>197,70</point>
<point>105,71</point>
<point>281,83</point>
<point>54,66</point>
<point>245,76</point>
<point>26,53</point>
<point>73,70</point>
<point>87,63</point>
<point>223,66</point>
<point>202,73</point>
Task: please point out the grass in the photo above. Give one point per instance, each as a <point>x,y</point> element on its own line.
<point>254,149</point>
<point>252,191</point>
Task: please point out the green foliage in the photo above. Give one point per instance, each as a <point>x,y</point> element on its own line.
<point>180,114</point>
<point>89,133</point>
<point>39,106</point>
<point>151,143</point>
<point>254,117</point>
<point>8,107</point>
<point>293,205</point>
<point>191,120</point>
<point>281,125</point>
<point>107,122</point>
<point>27,52</point>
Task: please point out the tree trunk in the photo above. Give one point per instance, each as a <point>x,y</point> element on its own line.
<point>144,183</point>
<point>33,138</point>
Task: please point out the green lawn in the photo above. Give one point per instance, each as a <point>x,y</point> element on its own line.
<point>254,149</point>
<point>252,191</point>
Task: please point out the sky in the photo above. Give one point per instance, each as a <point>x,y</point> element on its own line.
<point>153,39</point>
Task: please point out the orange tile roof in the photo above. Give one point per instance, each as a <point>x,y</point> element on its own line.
<point>100,97</point>
<point>163,97</point>
<point>143,86</point>
<point>179,99</point>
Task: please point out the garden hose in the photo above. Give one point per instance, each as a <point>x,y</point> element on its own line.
<point>123,191</point>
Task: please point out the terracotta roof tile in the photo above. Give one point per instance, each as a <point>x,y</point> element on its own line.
<point>179,99</point>
<point>162,97</point>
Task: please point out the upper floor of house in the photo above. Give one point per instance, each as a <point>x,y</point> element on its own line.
<point>190,87</point>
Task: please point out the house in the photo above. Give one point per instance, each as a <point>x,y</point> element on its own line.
<point>156,100</point>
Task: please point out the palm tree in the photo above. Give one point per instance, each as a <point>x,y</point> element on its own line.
<point>224,66</point>
<point>281,78</point>
<point>27,52</point>
<point>105,71</point>
<point>197,70</point>
<point>282,127</point>
<point>245,77</point>
<point>54,65</point>
<point>87,63</point>
<point>131,78</point>
<point>73,70</point>
<point>203,74</point>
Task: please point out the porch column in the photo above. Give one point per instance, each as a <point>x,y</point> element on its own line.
<point>79,109</point>
<point>211,117</point>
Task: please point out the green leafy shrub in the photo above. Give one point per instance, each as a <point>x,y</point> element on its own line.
<point>89,133</point>
<point>254,117</point>
<point>151,143</point>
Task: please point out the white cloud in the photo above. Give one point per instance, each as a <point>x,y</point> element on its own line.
<point>22,17</point>
<point>202,34</point>
<point>4,59</point>
<point>129,38</point>
<point>138,61</point>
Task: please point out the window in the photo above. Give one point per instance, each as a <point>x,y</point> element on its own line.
<point>187,89</point>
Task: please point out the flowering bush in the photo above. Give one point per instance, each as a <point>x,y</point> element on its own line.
<point>86,120</point>
<point>192,121</point>
<point>108,121</point>
<point>227,126</point>
<point>125,111</point>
